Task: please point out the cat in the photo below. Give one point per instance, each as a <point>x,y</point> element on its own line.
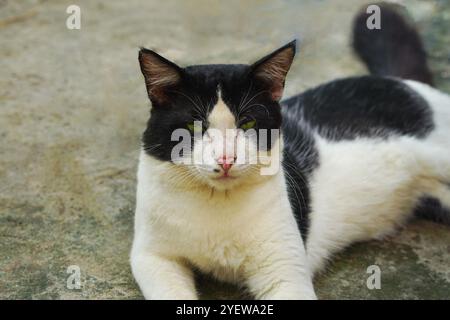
<point>219,215</point>
<point>358,156</point>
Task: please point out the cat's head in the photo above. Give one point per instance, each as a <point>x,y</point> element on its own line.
<point>215,123</point>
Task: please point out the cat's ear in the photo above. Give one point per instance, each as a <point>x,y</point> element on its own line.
<point>273,68</point>
<point>160,74</point>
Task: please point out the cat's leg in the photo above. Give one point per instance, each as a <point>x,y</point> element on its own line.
<point>338,224</point>
<point>280,278</point>
<point>159,276</point>
<point>326,237</point>
<point>162,278</point>
<point>435,183</point>
<point>277,267</point>
<point>347,218</point>
<point>361,191</point>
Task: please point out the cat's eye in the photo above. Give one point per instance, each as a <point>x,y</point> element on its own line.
<point>194,128</point>
<point>248,125</point>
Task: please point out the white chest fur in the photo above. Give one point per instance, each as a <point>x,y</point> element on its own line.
<point>216,231</point>
<point>247,235</point>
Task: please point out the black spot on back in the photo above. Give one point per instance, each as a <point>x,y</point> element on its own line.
<point>366,106</point>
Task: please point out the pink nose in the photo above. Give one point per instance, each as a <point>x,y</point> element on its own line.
<point>226,163</point>
<point>226,166</point>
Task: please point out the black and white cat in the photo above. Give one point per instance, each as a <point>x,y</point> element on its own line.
<point>358,156</point>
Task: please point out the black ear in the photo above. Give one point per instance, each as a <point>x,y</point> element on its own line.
<point>160,74</point>
<point>273,68</point>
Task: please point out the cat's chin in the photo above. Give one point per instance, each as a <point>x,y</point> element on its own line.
<point>225,183</point>
<point>225,178</point>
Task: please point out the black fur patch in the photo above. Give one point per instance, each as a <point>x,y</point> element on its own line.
<point>180,96</point>
<point>394,50</point>
<point>300,158</point>
<point>432,209</point>
<point>195,97</point>
<point>366,106</point>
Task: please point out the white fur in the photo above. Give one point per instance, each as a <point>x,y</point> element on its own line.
<point>363,189</point>
<point>240,230</point>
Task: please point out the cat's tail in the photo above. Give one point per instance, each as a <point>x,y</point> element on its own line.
<point>390,46</point>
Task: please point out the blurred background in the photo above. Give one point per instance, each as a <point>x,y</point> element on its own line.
<point>73,106</point>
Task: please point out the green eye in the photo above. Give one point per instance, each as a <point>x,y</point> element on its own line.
<point>248,125</point>
<point>193,128</point>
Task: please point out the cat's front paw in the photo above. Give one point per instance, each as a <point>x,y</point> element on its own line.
<point>290,294</point>
<point>174,296</point>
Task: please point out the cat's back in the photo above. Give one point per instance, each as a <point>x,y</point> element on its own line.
<point>357,133</point>
<point>361,107</point>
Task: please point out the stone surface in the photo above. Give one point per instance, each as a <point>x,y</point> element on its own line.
<point>73,106</point>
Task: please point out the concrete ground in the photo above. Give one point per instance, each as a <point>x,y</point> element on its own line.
<point>73,106</point>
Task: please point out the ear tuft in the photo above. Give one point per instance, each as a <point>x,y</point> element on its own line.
<point>273,68</point>
<point>159,73</point>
